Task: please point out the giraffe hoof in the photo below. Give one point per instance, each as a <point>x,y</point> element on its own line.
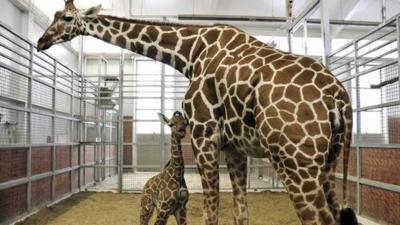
<point>348,217</point>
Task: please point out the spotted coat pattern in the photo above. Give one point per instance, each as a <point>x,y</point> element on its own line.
<point>167,191</point>
<point>247,99</point>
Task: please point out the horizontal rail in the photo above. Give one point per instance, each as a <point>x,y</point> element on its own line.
<point>373,183</point>
<point>377,67</point>
<point>389,21</point>
<point>24,180</point>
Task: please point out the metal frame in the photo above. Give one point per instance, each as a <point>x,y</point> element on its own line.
<point>348,69</point>
<point>30,63</point>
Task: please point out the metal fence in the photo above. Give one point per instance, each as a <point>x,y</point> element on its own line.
<point>151,87</point>
<point>61,132</point>
<point>368,68</point>
<point>39,127</point>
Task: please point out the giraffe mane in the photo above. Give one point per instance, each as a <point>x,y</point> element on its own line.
<point>153,22</point>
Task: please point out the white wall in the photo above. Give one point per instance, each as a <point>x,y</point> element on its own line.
<point>15,14</point>
<point>12,16</point>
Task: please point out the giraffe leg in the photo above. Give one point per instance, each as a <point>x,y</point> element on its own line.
<point>329,190</point>
<point>303,178</point>
<point>180,214</point>
<point>147,208</point>
<point>237,167</point>
<point>162,216</point>
<point>207,162</point>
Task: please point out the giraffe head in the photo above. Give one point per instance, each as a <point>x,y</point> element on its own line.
<point>178,124</point>
<point>67,24</point>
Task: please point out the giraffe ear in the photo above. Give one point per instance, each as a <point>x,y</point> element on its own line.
<point>92,11</point>
<point>163,118</point>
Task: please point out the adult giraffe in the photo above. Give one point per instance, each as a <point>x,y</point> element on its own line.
<point>246,99</point>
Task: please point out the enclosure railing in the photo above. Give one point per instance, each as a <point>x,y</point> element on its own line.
<point>368,68</point>
<point>39,127</point>
<point>150,150</point>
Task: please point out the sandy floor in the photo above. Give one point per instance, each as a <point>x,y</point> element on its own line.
<point>89,208</point>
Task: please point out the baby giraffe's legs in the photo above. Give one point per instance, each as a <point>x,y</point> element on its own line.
<point>180,214</point>
<point>147,208</point>
<point>162,216</point>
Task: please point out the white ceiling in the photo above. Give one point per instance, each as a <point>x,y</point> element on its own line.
<point>340,9</point>
<point>366,10</point>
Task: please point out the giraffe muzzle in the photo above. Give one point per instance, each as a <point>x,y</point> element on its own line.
<point>43,44</point>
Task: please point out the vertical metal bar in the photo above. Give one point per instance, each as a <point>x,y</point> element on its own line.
<point>53,132</point>
<point>289,39</point>
<point>398,49</point>
<point>82,107</point>
<point>81,118</point>
<point>288,25</point>
<point>248,173</point>
<point>97,113</point>
<point>120,121</point>
<point>358,115</point>
<point>162,131</point>
<point>84,127</point>
<point>383,11</point>
<point>325,31</point>
<point>71,129</point>
<point>29,131</point>
<point>305,37</point>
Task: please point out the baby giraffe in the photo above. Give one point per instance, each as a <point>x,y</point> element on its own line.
<point>167,191</point>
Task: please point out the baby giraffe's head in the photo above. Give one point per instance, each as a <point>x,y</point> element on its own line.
<point>178,124</point>
<point>67,24</point>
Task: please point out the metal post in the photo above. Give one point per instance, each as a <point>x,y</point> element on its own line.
<point>162,131</point>
<point>53,133</point>
<point>383,11</point>
<point>305,37</point>
<point>359,155</point>
<point>29,131</point>
<point>248,173</point>
<point>84,126</point>
<point>325,31</point>
<point>398,49</point>
<point>289,39</point>
<point>71,129</point>
<point>81,104</point>
<point>120,121</point>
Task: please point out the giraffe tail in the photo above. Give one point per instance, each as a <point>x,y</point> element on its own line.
<point>347,215</point>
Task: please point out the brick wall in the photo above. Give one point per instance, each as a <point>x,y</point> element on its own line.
<point>63,182</point>
<point>74,155</point>
<point>381,205</point>
<point>351,192</point>
<point>381,165</point>
<point>89,153</point>
<point>13,163</point>
<point>41,191</point>
<point>12,202</point>
<point>352,168</point>
<point>188,156</point>
<point>63,159</point>
<point>41,160</point>
<point>75,180</point>
<point>89,173</point>
<point>394,130</point>
<point>128,129</point>
<point>128,155</point>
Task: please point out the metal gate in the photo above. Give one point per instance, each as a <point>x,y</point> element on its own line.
<point>139,148</point>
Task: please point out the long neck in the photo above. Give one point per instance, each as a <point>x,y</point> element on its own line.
<point>175,45</point>
<point>177,161</point>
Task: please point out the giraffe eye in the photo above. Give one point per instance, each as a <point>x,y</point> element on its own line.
<point>68,18</point>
